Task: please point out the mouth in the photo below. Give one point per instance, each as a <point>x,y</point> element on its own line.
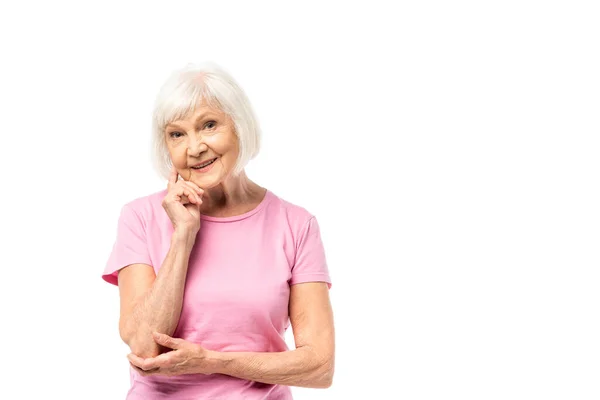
<point>204,166</point>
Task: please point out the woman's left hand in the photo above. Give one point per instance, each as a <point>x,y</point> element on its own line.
<point>185,358</point>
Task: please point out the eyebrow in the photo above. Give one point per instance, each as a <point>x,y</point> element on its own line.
<point>201,116</point>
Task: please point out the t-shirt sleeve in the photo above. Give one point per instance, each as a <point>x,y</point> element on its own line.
<point>310,262</point>
<point>130,246</point>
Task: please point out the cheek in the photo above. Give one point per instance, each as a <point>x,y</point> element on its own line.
<point>178,156</point>
<point>223,145</point>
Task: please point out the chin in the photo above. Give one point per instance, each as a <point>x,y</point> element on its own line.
<point>206,183</point>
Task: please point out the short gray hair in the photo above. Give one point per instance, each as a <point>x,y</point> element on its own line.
<point>184,91</point>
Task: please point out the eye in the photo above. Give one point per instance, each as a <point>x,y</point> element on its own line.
<point>175,134</point>
<point>213,123</point>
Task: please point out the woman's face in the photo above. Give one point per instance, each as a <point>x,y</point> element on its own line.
<point>205,135</point>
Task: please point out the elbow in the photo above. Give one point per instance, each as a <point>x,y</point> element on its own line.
<point>327,378</point>
<point>140,343</point>
<point>144,347</point>
<point>324,377</point>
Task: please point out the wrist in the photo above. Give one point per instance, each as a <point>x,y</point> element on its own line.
<point>215,362</point>
<point>183,237</point>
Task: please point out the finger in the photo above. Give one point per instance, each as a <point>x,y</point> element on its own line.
<point>167,341</point>
<point>196,188</point>
<point>145,364</point>
<point>192,192</point>
<point>135,360</point>
<point>173,176</point>
<point>138,370</point>
<point>155,371</point>
<point>179,194</point>
<point>197,196</point>
<point>189,196</point>
<point>192,186</point>
<point>164,360</point>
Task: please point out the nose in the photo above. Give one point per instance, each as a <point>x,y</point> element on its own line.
<point>196,145</point>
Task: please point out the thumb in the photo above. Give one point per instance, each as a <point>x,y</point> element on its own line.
<point>166,340</point>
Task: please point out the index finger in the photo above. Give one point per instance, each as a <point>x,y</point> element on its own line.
<point>173,176</point>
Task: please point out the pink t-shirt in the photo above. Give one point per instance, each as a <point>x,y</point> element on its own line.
<point>237,288</point>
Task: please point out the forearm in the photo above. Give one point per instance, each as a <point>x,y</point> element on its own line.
<point>300,367</point>
<point>160,308</point>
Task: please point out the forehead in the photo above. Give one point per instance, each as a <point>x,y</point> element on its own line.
<point>199,113</point>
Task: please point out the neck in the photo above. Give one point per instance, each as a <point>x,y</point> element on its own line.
<point>231,195</point>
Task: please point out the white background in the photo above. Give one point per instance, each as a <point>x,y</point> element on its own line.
<point>449,150</point>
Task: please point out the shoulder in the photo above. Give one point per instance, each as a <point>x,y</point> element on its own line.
<point>145,207</point>
<point>295,215</point>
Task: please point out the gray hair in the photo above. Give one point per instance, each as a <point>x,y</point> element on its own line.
<point>184,91</point>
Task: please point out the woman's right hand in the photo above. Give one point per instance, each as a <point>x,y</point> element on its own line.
<point>182,203</point>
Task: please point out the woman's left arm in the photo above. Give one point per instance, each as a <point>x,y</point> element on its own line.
<point>311,364</point>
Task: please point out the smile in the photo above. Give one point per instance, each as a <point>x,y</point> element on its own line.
<point>204,167</point>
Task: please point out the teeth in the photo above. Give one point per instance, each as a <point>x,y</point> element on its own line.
<point>204,165</point>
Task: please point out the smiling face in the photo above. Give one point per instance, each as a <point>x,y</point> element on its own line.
<point>205,135</point>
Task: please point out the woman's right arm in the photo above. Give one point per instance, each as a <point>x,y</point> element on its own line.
<point>152,302</point>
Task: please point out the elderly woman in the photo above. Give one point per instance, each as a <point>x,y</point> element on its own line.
<point>212,270</point>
